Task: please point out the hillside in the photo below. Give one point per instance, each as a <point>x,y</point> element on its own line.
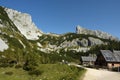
<point>23,45</point>
<point>19,34</point>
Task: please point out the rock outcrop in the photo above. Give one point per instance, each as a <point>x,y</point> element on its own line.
<point>3,45</point>
<point>94,41</point>
<point>100,34</point>
<point>24,24</point>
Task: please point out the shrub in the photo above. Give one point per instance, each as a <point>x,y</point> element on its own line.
<point>3,65</point>
<point>35,72</point>
<point>6,65</point>
<point>67,78</point>
<point>11,65</point>
<point>116,69</point>
<point>29,67</point>
<point>18,66</point>
<point>9,73</point>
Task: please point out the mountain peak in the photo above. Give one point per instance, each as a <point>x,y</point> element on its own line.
<point>80,29</point>
<point>23,22</point>
<point>100,34</point>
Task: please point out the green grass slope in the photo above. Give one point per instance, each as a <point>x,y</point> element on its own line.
<point>48,72</point>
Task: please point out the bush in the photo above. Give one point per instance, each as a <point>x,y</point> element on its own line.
<point>6,65</point>
<point>29,68</point>
<point>18,66</point>
<point>116,69</point>
<point>11,65</point>
<point>35,72</point>
<point>67,78</point>
<point>9,73</point>
<point>3,65</point>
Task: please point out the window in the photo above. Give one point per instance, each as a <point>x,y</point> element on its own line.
<point>113,64</point>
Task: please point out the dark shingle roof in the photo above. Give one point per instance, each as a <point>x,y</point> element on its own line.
<point>111,56</point>
<point>88,58</point>
<point>117,55</point>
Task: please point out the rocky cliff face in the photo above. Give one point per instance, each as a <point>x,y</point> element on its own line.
<point>13,33</point>
<point>24,24</point>
<point>100,34</point>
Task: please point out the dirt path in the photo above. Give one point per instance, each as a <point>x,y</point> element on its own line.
<point>93,74</point>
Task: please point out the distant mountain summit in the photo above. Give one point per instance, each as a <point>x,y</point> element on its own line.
<point>24,24</point>
<point>100,34</point>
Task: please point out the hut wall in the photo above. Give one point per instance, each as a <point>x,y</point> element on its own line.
<point>112,65</point>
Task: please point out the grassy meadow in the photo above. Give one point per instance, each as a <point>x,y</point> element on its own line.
<point>47,72</point>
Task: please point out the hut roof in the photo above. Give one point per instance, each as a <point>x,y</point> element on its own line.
<point>88,58</point>
<point>111,56</point>
<point>117,55</point>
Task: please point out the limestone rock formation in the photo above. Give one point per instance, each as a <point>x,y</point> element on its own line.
<point>100,34</point>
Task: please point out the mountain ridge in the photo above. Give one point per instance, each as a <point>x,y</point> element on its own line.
<point>98,33</point>
<point>19,26</point>
<point>18,49</point>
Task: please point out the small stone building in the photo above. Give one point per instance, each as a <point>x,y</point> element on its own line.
<point>108,59</point>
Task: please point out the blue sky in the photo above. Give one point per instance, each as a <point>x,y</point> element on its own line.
<point>61,16</point>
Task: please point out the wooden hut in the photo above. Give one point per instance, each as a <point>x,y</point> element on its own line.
<point>88,60</point>
<point>108,59</point>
